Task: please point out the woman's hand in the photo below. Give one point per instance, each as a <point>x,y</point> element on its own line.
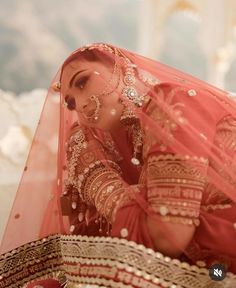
<point>181,233</point>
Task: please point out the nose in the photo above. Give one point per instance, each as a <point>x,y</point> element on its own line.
<point>82,105</point>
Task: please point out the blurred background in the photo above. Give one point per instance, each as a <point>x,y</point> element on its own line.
<point>196,36</point>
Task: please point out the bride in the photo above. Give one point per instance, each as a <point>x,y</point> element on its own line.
<point>133,152</point>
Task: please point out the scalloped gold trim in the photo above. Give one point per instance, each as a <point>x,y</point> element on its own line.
<point>131,264</point>
<point>212,207</point>
<point>178,157</point>
<point>31,261</point>
<point>103,261</point>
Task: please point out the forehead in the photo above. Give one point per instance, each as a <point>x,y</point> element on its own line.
<point>70,69</point>
<point>75,66</point>
<point>85,60</point>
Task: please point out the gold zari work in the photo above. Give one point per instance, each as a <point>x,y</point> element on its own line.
<point>101,261</point>
<point>180,186</point>
<point>39,259</point>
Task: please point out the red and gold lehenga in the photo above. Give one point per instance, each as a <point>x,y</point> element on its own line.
<point>82,205</point>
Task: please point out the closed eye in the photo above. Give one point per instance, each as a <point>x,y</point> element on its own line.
<point>81,82</point>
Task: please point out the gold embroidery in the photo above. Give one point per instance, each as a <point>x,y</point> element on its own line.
<point>225,139</point>
<point>168,118</point>
<point>98,167</point>
<point>212,207</point>
<point>105,190</point>
<point>226,135</point>
<point>214,196</point>
<point>192,92</point>
<point>90,180</point>
<point>101,261</point>
<point>34,260</point>
<point>176,183</point>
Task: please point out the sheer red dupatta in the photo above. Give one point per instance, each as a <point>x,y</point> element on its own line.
<point>37,196</point>
<point>184,120</point>
<point>44,151</point>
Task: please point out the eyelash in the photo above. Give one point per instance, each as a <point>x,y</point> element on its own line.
<point>82,82</point>
<point>70,101</point>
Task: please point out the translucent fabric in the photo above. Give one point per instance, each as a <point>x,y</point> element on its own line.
<point>179,130</point>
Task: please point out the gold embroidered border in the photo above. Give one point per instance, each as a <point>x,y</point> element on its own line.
<point>102,261</point>
<point>30,261</point>
<point>212,207</point>
<point>98,260</point>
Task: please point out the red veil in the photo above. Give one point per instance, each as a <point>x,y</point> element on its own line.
<point>188,121</point>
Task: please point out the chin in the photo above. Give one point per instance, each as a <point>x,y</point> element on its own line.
<point>104,125</point>
<point>95,125</point>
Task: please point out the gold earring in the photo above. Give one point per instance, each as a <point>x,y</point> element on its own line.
<point>128,116</point>
<point>56,86</point>
<point>129,80</point>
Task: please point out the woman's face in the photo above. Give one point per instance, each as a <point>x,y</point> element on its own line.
<point>81,80</point>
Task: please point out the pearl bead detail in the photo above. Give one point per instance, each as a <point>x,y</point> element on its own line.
<point>135,161</point>
<point>192,92</point>
<point>113,112</point>
<point>124,232</point>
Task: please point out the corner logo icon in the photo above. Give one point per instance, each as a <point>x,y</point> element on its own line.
<point>217,272</point>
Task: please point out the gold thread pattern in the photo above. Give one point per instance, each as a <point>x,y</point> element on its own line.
<point>225,139</point>
<point>103,261</point>
<point>34,260</point>
<point>181,181</point>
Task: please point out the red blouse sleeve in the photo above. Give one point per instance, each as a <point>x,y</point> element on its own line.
<point>175,167</point>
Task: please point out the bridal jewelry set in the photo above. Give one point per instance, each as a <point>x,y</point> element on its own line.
<point>128,116</point>
<point>129,97</point>
<point>129,92</point>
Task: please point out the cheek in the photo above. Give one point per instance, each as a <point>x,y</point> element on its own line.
<point>110,111</point>
<point>111,99</point>
<point>80,118</point>
<point>81,100</point>
<point>101,82</point>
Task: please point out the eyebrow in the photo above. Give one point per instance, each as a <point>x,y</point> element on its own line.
<point>74,76</point>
